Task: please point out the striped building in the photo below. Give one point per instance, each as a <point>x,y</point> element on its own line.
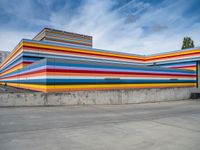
<point>57,61</point>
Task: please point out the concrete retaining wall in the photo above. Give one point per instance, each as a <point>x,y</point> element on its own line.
<point>95,97</point>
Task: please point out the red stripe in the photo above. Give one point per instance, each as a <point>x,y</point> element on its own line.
<point>117,72</point>
<point>103,72</point>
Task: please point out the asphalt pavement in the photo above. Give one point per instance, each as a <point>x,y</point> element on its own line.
<point>153,126</point>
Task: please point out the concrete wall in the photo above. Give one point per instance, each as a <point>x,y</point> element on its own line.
<point>95,97</point>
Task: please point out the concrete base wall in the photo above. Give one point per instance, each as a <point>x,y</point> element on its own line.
<point>95,97</point>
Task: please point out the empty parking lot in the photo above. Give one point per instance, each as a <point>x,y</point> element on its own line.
<point>167,125</point>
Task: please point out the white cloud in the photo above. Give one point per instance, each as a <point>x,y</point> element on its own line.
<point>10,39</point>
<point>164,23</point>
<point>137,27</point>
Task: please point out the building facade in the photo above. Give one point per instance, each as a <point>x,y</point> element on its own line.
<point>57,61</point>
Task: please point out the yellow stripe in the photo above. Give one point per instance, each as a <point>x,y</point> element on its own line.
<point>113,86</point>
<point>118,85</point>
<point>54,88</point>
<point>79,50</point>
<point>41,88</point>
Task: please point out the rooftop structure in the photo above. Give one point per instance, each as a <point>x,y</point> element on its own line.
<point>53,35</point>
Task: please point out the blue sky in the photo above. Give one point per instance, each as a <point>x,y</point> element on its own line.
<point>134,26</point>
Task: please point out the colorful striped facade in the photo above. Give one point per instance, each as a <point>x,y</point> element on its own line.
<point>57,61</point>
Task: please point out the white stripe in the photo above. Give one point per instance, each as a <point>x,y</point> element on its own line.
<point>95,77</point>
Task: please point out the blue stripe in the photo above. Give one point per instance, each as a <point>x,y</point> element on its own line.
<point>101,81</point>
<point>117,67</point>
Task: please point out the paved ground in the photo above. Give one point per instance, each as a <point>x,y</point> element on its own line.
<point>167,125</point>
